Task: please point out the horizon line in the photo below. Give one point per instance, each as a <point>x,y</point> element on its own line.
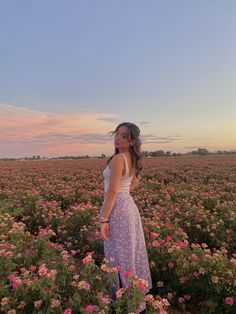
<point>100,156</point>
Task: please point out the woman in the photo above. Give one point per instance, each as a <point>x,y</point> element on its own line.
<point>120,222</point>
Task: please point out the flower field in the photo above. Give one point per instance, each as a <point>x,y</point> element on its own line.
<point>51,250</point>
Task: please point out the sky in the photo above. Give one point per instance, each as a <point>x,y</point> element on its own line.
<point>72,70</point>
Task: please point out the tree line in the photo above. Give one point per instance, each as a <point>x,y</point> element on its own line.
<point>157,153</point>
<point>199,152</point>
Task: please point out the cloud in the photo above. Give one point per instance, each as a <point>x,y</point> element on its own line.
<point>153,139</point>
<point>109,119</point>
<point>47,132</point>
<point>143,123</point>
<point>191,147</point>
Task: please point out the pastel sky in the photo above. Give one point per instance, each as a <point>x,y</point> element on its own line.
<point>70,71</point>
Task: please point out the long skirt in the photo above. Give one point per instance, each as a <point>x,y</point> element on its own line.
<point>126,243</point>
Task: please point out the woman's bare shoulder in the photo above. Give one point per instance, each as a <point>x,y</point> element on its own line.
<point>118,159</point>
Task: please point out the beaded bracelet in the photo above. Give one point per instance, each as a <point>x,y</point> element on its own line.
<point>103,220</point>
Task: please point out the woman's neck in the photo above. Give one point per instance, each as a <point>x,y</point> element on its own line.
<point>123,151</point>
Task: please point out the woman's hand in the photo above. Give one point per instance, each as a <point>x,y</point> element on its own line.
<point>105,229</point>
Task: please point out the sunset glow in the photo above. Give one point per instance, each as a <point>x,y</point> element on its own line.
<point>167,66</point>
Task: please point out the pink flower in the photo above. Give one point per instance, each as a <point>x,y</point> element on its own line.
<point>105,299</point>
<point>169,238</point>
<point>76,276</point>
<point>170,264</point>
<point>9,254</point>
<point>156,244</point>
<point>120,292</point>
<point>16,283</point>
<point>11,277</point>
<point>33,268</point>
<point>84,285</point>
<point>195,257</point>
<point>196,274</point>
<point>42,270</point>
<point>52,273</point>
<point>87,259</point>
<point>65,254</point>
<point>90,308</point>
<point>46,232</point>
<point>142,287</point>
<point>187,296</point>
<point>153,235</point>
<point>67,311</point>
<point>8,245</point>
<point>229,300</point>
<point>179,243</point>
<point>55,303</point>
<point>149,298</point>
<point>37,304</point>
<point>128,273</point>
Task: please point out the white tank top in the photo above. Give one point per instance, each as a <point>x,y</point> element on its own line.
<point>125,180</point>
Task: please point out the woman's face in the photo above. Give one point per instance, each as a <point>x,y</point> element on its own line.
<point>121,138</point>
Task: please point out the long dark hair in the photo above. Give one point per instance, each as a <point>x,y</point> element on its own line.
<point>135,148</point>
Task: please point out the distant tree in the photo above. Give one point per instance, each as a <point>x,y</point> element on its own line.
<point>203,151</point>
<point>145,153</point>
<point>152,154</point>
<point>160,153</point>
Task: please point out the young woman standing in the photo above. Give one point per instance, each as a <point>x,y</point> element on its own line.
<point>120,221</point>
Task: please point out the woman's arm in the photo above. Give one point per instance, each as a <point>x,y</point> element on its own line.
<point>117,165</point>
<point>134,183</point>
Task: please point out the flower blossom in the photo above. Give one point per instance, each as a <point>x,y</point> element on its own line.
<point>229,300</point>
<point>90,308</point>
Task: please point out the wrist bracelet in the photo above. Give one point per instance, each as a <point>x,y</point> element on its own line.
<point>104,222</point>
<point>104,219</point>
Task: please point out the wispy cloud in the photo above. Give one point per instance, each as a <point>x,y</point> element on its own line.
<point>48,132</point>
<point>153,139</point>
<point>143,123</point>
<point>191,147</point>
<point>27,132</point>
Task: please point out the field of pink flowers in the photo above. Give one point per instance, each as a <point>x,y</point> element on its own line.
<point>51,251</point>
